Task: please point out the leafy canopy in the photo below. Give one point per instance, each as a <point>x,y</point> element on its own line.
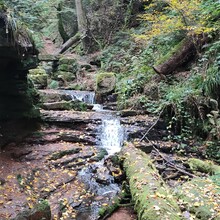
<point>189,16</point>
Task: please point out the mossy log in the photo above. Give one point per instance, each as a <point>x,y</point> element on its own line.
<point>203,166</point>
<point>152,198</point>
<point>183,55</point>
<point>68,44</point>
<point>200,197</point>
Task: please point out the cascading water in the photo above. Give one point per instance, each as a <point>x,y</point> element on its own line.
<point>84,96</point>
<point>112,135</point>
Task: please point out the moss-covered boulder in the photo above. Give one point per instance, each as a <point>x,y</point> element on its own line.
<point>65,105</point>
<point>67,64</point>
<point>65,76</point>
<point>39,78</point>
<point>105,82</point>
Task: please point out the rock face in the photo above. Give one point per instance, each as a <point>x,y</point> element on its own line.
<point>16,58</point>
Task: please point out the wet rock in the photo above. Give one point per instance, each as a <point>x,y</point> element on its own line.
<point>105,82</point>
<point>40,211</point>
<point>17,154</point>
<point>78,158</point>
<point>126,113</point>
<point>102,152</point>
<point>103,176</point>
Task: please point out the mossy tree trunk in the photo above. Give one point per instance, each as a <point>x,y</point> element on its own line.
<point>61,28</point>
<point>152,197</point>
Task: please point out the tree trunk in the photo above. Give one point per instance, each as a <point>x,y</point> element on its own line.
<point>183,55</point>
<point>61,29</point>
<point>82,25</point>
<point>68,44</point>
<point>153,200</point>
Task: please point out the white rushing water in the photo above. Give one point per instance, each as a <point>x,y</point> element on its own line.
<point>112,135</point>
<point>84,96</point>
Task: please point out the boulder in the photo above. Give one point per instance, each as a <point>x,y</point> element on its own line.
<point>38,77</point>
<point>105,83</point>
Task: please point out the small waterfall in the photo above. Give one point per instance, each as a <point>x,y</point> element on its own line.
<point>84,96</point>
<point>112,135</point>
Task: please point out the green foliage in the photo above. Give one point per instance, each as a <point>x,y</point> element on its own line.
<point>53,84</point>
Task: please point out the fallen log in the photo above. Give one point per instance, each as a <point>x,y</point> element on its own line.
<point>151,195</point>
<point>181,56</point>
<point>68,44</point>
<point>204,166</point>
<point>200,198</point>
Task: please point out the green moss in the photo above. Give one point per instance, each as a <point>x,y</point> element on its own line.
<point>102,75</point>
<point>60,154</point>
<point>42,205</point>
<point>65,75</point>
<point>200,197</point>
<point>152,198</point>
<point>65,67</point>
<point>37,72</point>
<point>53,84</point>
<point>68,61</point>
<point>40,80</point>
<point>105,82</point>
<point>203,166</point>
<point>171,52</point>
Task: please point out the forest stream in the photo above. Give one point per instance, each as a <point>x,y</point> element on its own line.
<point>68,161</point>
<point>110,110</point>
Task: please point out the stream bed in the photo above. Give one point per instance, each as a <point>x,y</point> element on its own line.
<point>64,162</point>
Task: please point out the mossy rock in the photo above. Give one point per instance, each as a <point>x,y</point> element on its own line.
<point>39,78</point>
<point>66,68</point>
<point>65,76</point>
<point>49,96</point>
<point>68,61</point>
<point>37,71</point>
<point>105,82</point>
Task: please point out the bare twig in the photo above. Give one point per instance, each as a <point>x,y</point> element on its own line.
<point>170,164</point>
<point>152,126</point>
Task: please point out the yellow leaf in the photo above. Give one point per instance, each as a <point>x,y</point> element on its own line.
<point>47,190</point>
<point>196,204</point>
<point>1,202</point>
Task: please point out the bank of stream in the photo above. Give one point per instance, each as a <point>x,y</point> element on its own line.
<point>64,162</point>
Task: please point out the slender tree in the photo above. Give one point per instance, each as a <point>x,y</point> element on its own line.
<point>83,26</point>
